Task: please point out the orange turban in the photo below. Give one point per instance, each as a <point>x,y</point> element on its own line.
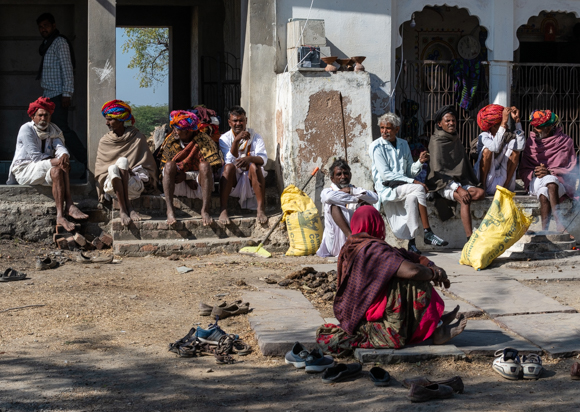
<point>489,116</point>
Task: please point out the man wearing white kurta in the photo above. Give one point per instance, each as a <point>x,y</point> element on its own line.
<point>340,201</point>
<point>243,174</point>
<point>498,153</point>
<point>402,197</point>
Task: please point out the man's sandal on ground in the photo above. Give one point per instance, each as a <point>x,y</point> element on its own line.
<point>11,275</point>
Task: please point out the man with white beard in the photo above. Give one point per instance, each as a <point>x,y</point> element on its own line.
<point>42,159</point>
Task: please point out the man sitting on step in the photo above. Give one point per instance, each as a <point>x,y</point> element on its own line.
<point>340,201</point>
<point>125,167</point>
<point>548,166</point>
<point>188,158</point>
<point>498,149</point>
<point>243,176</point>
<point>42,159</point>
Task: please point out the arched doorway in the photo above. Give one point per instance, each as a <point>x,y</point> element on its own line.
<point>442,61</point>
<point>546,71</point>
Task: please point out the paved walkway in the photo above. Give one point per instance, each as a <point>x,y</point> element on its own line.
<point>503,312</point>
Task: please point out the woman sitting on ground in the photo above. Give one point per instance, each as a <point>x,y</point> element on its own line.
<point>385,298</point>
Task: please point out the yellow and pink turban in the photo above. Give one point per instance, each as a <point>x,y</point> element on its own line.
<point>489,116</point>
<point>183,120</point>
<point>118,110</point>
<point>40,103</point>
<point>543,118</point>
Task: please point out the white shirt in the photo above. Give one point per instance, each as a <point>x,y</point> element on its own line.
<point>333,238</point>
<point>257,148</point>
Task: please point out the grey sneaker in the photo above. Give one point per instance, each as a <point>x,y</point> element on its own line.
<point>210,335</point>
<point>297,356</point>
<point>433,239</point>
<point>317,362</point>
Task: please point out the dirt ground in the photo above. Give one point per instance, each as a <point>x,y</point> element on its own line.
<point>99,343</point>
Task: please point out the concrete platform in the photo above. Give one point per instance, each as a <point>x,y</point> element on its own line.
<point>505,298</point>
<point>409,354</point>
<point>281,317</point>
<point>467,309</point>
<point>484,337</point>
<point>558,334</point>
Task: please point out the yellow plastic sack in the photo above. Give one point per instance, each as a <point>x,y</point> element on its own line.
<point>503,225</point>
<point>302,222</point>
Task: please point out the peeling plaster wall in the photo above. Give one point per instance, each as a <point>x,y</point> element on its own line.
<point>309,116</point>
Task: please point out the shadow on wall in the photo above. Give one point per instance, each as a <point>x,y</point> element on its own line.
<point>379,102</point>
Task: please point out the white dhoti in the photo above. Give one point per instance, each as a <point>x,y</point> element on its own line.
<point>244,191</point>
<point>403,212</point>
<point>540,186</point>
<point>334,238</point>
<point>36,173</point>
<point>498,172</point>
<point>183,190</point>
<point>135,185</point>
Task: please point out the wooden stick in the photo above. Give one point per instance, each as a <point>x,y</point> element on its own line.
<point>21,307</point>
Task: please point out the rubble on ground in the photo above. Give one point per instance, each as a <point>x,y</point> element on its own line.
<point>318,287</point>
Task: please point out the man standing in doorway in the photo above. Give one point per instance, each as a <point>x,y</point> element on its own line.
<point>57,79</point>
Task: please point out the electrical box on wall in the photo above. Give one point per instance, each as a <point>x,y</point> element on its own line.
<point>312,32</point>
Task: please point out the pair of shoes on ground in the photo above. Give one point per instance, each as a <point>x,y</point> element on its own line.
<point>212,340</point>
<point>509,365</point>
<point>82,258</point>
<point>10,275</point>
<point>224,309</point>
<point>313,361</point>
<point>422,389</point>
<point>46,263</point>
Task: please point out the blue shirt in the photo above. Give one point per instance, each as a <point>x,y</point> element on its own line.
<point>391,163</point>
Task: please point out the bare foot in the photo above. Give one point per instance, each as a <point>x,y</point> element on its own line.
<point>135,217</point>
<point>75,213</point>
<point>206,218</point>
<point>450,317</point>
<point>445,333</point>
<point>224,218</point>
<point>125,219</point>
<point>68,226</point>
<point>262,218</point>
<point>171,219</point>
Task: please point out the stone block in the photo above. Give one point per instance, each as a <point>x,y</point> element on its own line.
<point>149,248</point>
<point>106,239</point>
<point>162,225</point>
<point>62,243</point>
<point>125,249</point>
<point>98,244</point>
<point>80,239</point>
<point>72,245</point>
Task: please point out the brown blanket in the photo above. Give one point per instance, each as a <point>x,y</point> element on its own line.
<point>448,162</point>
<point>133,146</point>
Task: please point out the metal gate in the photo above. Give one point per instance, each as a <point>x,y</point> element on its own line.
<point>431,84</point>
<point>555,87</point>
<point>221,84</point>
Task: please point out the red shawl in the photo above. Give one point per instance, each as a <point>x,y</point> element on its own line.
<point>557,153</point>
<point>365,267</point>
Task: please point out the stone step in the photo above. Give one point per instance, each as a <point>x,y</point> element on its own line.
<point>540,255</point>
<point>155,205</point>
<point>540,238</point>
<point>546,246</point>
<point>199,247</point>
<point>244,226</point>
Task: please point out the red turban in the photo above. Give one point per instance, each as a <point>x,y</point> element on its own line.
<point>40,103</point>
<point>489,116</point>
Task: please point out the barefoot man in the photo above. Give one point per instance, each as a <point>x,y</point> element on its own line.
<point>189,158</point>
<point>42,159</point>
<point>245,155</point>
<point>125,167</point>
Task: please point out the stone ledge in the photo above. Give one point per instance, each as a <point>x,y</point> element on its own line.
<point>408,354</point>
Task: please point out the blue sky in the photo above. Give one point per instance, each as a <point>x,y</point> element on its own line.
<point>128,86</point>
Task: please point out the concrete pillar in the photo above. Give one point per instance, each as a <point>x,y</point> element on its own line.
<point>500,75</point>
<point>101,70</point>
<point>502,51</point>
<point>258,75</point>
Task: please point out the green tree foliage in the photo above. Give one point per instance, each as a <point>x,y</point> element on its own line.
<point>151,58</point>
<point>149,117</point>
